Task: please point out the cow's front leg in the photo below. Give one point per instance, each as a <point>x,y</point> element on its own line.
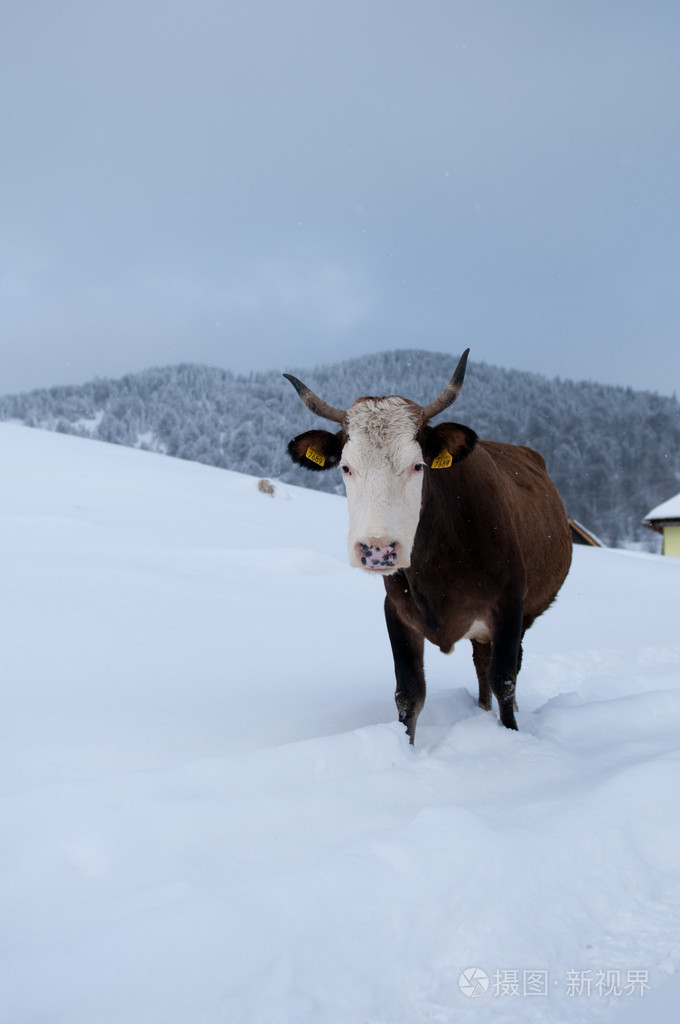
<point>506,649</point>
<point>407,650</point>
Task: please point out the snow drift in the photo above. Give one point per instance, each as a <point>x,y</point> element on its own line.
<point>210,815</point>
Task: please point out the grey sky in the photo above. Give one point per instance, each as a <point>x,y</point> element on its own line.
<point>263,184</point>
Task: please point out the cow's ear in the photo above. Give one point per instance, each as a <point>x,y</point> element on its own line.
<point>316,449</point>
<point>446,444</point>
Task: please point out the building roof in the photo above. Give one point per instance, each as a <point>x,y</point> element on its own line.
<point>666,510</point>
<point>580,535</point>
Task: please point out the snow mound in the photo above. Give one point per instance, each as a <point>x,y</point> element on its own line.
<point>210,814</point>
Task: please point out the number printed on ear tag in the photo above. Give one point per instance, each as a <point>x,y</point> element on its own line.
<point>314,456</point>
<point>443,460</point>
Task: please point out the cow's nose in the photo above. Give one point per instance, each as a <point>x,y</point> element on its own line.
<point>377,554</point>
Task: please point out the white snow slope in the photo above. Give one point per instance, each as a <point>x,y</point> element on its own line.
<point>210,815</point>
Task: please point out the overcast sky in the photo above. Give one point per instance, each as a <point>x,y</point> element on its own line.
<point>269,184</point>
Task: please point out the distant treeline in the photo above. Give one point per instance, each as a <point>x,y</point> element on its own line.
<point>613,452</point>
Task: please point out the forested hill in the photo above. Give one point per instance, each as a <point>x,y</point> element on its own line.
<point>613,452</point>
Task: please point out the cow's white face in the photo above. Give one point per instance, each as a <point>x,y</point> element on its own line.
<point>383,464</point>
<point>383,469</point>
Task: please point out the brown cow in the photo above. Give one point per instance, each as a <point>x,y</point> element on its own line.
<point>471,536</point>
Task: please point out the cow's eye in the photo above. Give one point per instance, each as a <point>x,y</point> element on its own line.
<point>419,467</point>
<point>346,470</point>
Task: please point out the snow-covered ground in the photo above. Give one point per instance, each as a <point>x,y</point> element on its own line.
<point>210,816</point>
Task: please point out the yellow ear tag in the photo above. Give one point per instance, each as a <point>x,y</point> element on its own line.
<point>314,456</point>
<point>443,460</point>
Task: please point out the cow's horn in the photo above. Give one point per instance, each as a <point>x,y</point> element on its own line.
<point>314,403</point>
<point>450,392</point>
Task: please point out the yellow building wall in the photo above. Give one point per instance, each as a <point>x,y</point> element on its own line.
<point>671,541</point>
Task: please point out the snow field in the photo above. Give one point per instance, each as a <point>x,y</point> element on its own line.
<point>210,815</point>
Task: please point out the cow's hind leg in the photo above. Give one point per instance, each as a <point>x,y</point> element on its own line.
<point>504,664</point>
<point>407,650</point>
<point>481,656</point>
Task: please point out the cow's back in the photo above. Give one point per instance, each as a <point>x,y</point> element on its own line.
<point>535,514</point>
